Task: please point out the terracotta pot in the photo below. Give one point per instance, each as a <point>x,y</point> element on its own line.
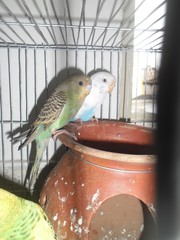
<point>102,184</point>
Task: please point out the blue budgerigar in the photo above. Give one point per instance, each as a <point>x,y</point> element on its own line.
<point>103,83</point>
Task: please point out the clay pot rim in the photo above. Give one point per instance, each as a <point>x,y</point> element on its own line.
<point>119,157</point>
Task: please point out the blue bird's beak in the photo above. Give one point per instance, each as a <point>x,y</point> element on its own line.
<point>111,87</point>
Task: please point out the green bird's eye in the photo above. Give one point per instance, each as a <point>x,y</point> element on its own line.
<point>80,83</point>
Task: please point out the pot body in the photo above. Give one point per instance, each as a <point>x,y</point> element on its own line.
<point>97,189</point>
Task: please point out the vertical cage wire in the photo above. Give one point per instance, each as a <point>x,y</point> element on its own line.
<point>154,97</point>
<point>20,108</point>
<point>11,111</point>
<point>2,132</point>
<point>145,93</point>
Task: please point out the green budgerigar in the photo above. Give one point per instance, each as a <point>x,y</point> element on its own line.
<point>59,109</point>
<point>21,219</point>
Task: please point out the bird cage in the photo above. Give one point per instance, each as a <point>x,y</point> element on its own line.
<point>42,41</point>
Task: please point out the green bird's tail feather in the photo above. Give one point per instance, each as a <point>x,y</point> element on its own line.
<point>40,148</point>
<point>20,137</point>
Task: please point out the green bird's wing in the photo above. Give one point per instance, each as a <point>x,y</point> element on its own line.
<point>21,219</point>
<point>49,113</point>
<point>52,109</point>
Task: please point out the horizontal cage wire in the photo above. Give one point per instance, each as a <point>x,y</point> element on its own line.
<point>42,42</point>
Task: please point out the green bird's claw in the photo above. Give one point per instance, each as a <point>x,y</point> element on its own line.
<point>56,133</point>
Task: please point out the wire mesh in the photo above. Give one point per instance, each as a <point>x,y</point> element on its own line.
<point>84,24</point>
<point>43,41</point>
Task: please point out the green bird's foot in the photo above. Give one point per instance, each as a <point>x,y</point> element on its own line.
<point>56,133</point>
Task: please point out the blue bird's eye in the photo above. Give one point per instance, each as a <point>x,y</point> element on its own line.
<point>80,83</point>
